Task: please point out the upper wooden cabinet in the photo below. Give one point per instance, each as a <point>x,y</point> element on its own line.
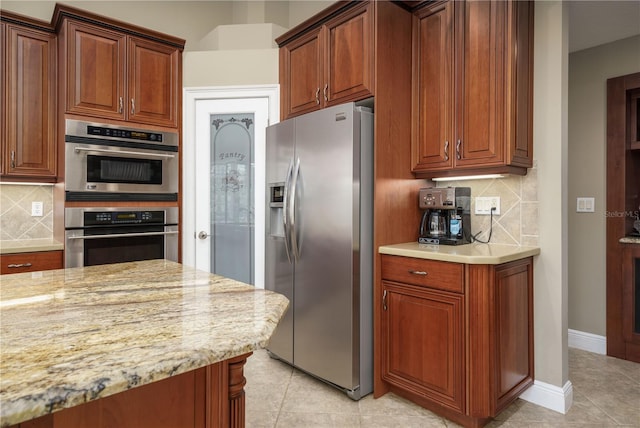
<point>329,63</point>
<point>115,71</point>
<point>472,88</point>
<point>29,98</point>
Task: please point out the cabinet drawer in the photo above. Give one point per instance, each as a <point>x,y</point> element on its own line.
<point>427,273</point>
<point>30,262</point>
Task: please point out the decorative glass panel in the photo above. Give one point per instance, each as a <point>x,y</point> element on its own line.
<point>232,198</point>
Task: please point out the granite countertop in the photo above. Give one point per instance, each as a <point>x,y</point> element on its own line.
<point>475,253</point>
<point>29,246</point>
<point>630,240</point>
<point>69,336</point>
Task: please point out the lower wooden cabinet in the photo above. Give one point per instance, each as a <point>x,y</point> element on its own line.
<point>30,262</point>
<point>456,338</point>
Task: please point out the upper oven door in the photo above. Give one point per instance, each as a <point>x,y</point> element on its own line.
<point>106,168</point>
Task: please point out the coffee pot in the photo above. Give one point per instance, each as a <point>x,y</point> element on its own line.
<point>437,223</point>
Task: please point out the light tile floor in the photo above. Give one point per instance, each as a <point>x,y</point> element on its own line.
<point>606,393</point>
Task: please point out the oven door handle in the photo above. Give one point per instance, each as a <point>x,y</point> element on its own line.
<point>124,235</point>
<point>122,152</point>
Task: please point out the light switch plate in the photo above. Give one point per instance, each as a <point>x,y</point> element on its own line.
<point>585,205</point>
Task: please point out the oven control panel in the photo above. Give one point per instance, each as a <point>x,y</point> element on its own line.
<point>103,131</point>
<point>97,218</point>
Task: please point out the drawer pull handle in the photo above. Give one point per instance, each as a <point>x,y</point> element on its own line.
<point>19,265</point>
<point>384,300</point>
<point>418,272</point>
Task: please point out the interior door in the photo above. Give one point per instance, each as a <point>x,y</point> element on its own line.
<point>228,188</point>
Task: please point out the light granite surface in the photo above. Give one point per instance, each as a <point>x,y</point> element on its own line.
<point>29,246</point>
<point>70,336</point>
<point>630,240</point>
<point>482,254</point>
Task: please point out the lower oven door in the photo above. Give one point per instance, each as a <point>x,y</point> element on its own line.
<point>89,247</point>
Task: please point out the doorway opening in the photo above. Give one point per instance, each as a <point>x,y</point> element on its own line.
<point>623,217</point>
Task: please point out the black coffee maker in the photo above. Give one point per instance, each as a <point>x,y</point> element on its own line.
<point>447,215</point>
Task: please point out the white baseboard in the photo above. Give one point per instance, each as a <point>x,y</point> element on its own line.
<point>588,342</point>
<point>550,396</point>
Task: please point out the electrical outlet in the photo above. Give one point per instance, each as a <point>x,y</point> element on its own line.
<point>484,204</point>
<point>586,205</point>
<point>36,209</point>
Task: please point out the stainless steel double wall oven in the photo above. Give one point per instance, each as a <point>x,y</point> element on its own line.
<point>107,163</point>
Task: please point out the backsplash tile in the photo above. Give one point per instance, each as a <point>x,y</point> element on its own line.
<point>16,222</point>
<point>517,223</point>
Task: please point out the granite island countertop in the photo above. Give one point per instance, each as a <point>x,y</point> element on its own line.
<point>475,253</point>
<point>70,336</point>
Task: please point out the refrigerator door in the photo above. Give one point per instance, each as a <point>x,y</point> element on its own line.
<point>278,260</point>
<point>326,195</point>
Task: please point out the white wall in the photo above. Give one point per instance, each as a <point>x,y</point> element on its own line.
<point>189,20</point>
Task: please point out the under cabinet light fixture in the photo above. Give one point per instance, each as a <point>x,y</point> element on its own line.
<point>468,177</point>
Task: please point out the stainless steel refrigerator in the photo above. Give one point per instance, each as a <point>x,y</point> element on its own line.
<point>319,243</point>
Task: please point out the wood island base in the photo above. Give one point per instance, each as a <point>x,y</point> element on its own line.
<point>209,397</point>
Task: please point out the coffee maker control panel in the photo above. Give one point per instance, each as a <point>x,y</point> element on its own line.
<point>442,198</point>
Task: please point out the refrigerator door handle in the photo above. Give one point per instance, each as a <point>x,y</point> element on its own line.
<point>285,212</point>
<point>295,248</point>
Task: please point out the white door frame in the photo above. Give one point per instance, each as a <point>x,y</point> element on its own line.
<point>191,98</point>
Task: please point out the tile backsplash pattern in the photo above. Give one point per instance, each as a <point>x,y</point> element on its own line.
<point>16,222</point>
<point>517,223</point>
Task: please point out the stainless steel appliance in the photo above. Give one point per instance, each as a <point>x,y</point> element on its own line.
<point>109,162</point>
<point>447,215</point>
<point>319,243</point>
<point>96,236</point>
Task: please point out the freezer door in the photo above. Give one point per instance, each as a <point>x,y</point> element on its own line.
<point>278,263</point>
<point>326,221</point>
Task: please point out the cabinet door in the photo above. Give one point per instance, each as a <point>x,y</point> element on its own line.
<point>30,121</point>
<point>422,341</point>
<point>349,57</point>
<point>154,83</point>
<point>301,74</point>
<point>95,71</point>
<point>432,88</point>
<point>3,97</point>
<point>631,301</point>
<point>480,124</point>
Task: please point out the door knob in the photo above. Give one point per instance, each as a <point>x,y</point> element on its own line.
<point>203,235</point>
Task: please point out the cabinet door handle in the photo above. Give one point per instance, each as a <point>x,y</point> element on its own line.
<point>121,105</point>
<point>19,265</point>
<point>418,272</point>
<point>325,91</point>
<point>446,150</point>
<point>317,96</point>
<point>458,155</point>
<point>133,106</point>
<point>13,159</point>
<point>384,300</point>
